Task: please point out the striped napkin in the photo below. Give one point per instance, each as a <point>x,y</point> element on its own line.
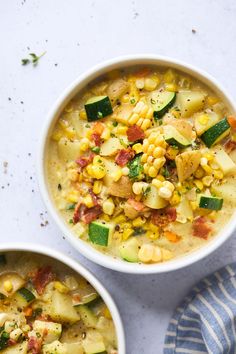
<point>205,322</point>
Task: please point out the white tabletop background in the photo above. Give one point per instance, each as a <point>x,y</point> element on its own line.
<point>77,34</point>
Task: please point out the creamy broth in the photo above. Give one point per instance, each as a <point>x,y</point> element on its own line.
<point>141,164</point>
<point>46,307</point>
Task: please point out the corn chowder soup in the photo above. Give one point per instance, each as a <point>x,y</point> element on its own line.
<point>47,308</point>
<point>141,164</point>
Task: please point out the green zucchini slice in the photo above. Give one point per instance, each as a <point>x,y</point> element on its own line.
<point>129,250</point>
<point>100,232</point>
<point>98,107</point>
<point>211,203</point>
<point>161,101</point>
<point>216,133</point>
<point>173,137</point>
<point>3,260</point>
<point>24,297</point>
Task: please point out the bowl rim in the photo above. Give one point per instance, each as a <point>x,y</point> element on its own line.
<point>80,269</point>
<point>83,247</point>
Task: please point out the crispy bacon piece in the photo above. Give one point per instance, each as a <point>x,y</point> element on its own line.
<point>96,138</point>
<point>135,133</point>
<point>42,277</point>
<point>201,228</point>
<point>34,344</point>
<point>83,161</point>
<point>94,197</point>
<point>11,342</point>
<point>124,156</point>
<point>230,145</point>
<point>138,206</point>
<point>87,215</point>
<point>163,217</point>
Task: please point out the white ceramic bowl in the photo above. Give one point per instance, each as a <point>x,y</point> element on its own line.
<point>84,248</point>
<point>21,247</point>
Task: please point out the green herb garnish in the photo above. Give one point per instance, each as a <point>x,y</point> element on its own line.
<point>138,231</point>
<point>132,101</point>
<point>165,172</point>
<point>71,206</point>
<point>71,221</point>
<point>198,190</point>
<point>95,149</point>
<point>100,115</point>
<point>146,191</point>
<point>115,124</point>
<point>34,59</point>
<point>153,101</point>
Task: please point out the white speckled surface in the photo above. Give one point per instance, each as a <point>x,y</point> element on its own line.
<point>77,34</point>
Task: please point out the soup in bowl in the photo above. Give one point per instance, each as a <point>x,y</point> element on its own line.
<point>140,162</point>
<point>47,307</point>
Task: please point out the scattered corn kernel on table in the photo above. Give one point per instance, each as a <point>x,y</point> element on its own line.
<point>76,35</point>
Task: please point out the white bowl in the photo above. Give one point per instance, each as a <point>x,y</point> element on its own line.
<point>21,247</point>
<point>85,248</point>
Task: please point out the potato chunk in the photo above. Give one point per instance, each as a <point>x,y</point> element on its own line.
<point>117,89</point>
<point>187,163</point>
<point>122,188</point>
<point>190,102</point>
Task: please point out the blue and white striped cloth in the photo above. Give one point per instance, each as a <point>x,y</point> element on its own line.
<point>205,322</point>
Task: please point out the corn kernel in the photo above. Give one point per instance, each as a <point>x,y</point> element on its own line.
<point>154,228</point>
<point>108,206</point>
<point>138,148</point>
<point>84,144</point>
<point>208,156</point>
<point>171,153</point>
<point>207,180</point>
<point>199,173</point>
<point>57,135</point>
<point>116,175</point>
<point>211,100</point>
<point>194,205</point>
<point>107,313</point>
<point>8,286</point>
<point>198,184</point>
<point>125,98</point>
<point>207,169</point>
<point>152,172</point>
<point>203,119</point>
<point>150,84</point>
<point>63,123</point>
<point>171,87</point>
<point>119,219</point>
<point>121,130</point>
<point>152,235</point>
<point>88,201</point>
<point>175,199</point>
<point>106,217</point>
<point>60,287</point>
<point>98,172</point>
<point>97,187</point>
<point>160,178</point>
<point>166,254</point>
<point>169,76</point>
<point>145,253</point>
<point>157,183</point>
<point>82,114</point>
<point>125,171</point>
<point>139,83</point>
<point>218,174</point>
<point>157,255</point>
<point>73,197</point>
<point>126,234</point>
<point>138,222</point>
<point>165,193</point>
<point>169,185</point>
